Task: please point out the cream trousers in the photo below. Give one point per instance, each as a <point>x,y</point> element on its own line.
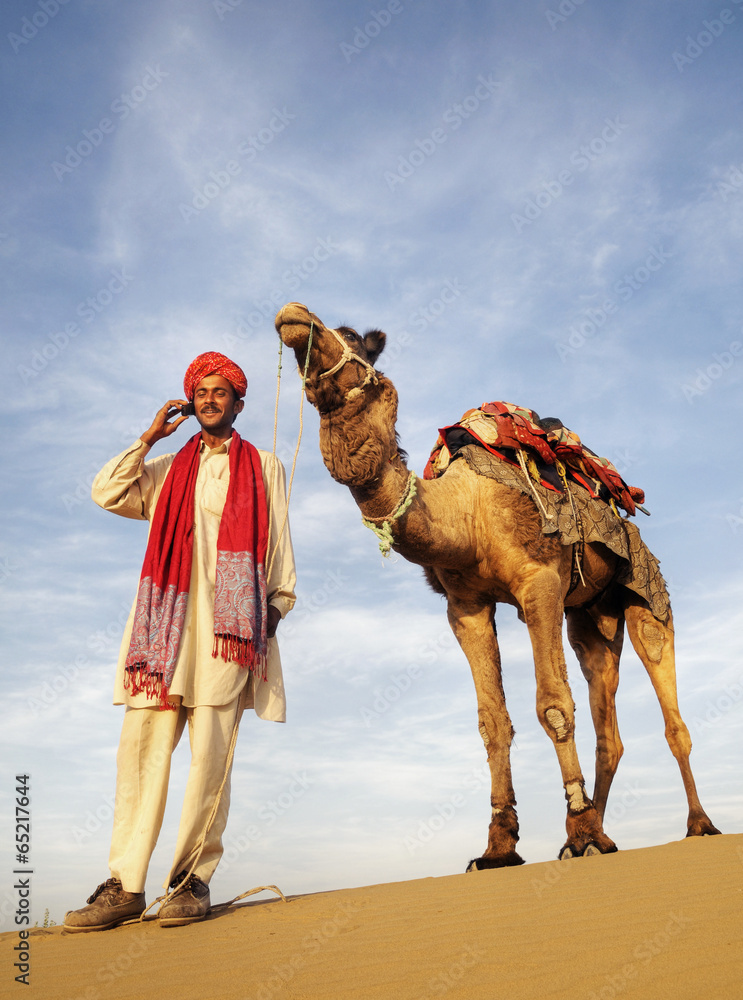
<point>148,738</point>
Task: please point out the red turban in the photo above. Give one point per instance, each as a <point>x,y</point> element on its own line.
<point>214,363</point>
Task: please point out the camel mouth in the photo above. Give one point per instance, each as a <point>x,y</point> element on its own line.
<point>293,324</point>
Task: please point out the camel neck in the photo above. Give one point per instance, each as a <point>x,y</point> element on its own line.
<point>381,497</point>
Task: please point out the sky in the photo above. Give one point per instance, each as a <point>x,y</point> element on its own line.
<point>539,202</point>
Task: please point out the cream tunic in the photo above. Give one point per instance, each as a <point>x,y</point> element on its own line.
<point>129,486</point>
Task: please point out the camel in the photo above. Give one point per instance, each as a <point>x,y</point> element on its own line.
<point>480,543</point>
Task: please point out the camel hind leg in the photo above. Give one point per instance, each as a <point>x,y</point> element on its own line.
<point>654,644</point>
<point>598,656</point>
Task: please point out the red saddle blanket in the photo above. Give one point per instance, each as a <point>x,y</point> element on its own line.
<point>552,452</point>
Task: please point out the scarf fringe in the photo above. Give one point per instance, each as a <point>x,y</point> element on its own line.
<point>138,680</point>
<point>240,651</point>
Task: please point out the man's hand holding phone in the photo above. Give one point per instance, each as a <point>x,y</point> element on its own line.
<point>164,425</point>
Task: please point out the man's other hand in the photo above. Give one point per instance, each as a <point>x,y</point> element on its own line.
<point>274,617</point>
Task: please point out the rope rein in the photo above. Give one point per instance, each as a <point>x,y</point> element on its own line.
<point>299,440</point>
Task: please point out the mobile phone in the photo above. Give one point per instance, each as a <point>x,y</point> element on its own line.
<point>188,410</point>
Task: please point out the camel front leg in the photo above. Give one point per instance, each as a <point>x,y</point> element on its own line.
<point>541,602</point>
<point>474,628</point>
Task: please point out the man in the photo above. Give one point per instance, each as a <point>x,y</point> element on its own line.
<point>200,644</point>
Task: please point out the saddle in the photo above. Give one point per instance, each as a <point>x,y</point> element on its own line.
<point>545,449</point>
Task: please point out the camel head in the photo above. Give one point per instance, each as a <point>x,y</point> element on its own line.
<point>357,405</point>
<point>340,362</point>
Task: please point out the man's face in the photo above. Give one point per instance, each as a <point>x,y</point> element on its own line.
<point>215,404</point>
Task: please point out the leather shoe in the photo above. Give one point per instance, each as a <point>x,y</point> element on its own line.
<point>109,906</point>
<point>190,904</point>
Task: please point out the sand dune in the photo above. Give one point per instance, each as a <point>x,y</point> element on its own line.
<point>653,923</point>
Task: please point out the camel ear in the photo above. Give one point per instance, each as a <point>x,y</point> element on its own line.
<point>374,342</point>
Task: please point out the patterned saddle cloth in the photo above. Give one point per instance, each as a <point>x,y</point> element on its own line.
<point>546,450</point>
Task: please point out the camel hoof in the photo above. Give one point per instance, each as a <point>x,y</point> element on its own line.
<point>571,851</point>
<point>702,828</point>
<point>503,861</point>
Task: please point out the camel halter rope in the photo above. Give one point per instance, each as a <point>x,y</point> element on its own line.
<point>383,530</point>
<point>346,355</point>
<point>244,693</point>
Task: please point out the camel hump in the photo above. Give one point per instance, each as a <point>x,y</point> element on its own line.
<point>549,423</point>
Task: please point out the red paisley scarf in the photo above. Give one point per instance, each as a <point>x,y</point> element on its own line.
<point>240,609</point>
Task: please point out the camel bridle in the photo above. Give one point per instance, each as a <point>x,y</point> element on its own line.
<point>349,355</point>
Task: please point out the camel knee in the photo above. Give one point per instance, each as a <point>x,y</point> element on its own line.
<point>496,731</point>
<point>559,727</point>
<point>678,739</point>
<point>608,754</point>
<point>653,639</point>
